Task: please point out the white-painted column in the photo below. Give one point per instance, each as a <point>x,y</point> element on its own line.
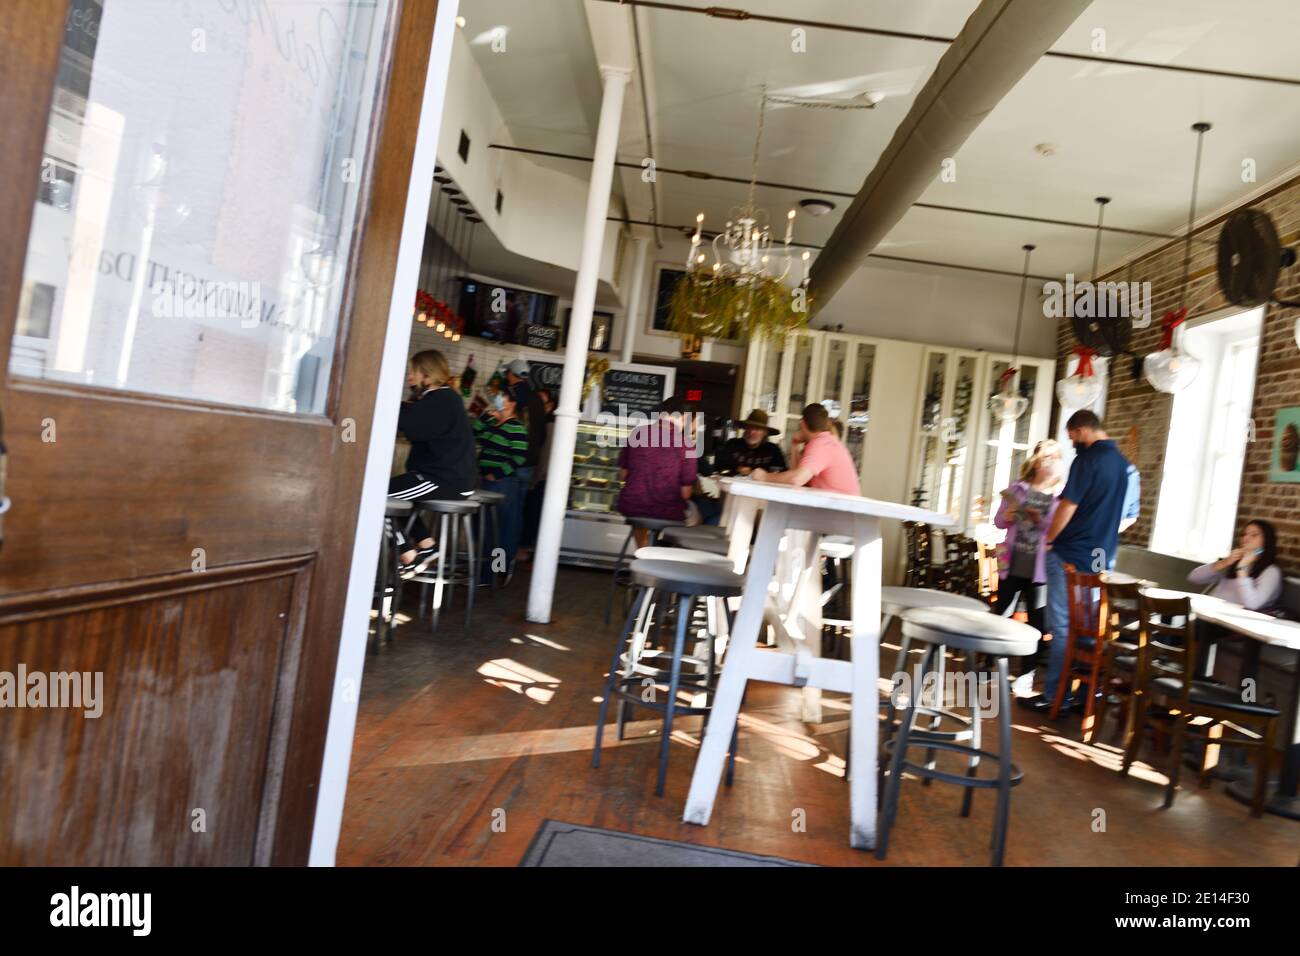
<point>560,467</point>
<point>379,454</point>
<point>635,291</point>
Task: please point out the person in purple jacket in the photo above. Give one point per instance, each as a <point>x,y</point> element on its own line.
<point>1027,508</point>
<point>658,467</point>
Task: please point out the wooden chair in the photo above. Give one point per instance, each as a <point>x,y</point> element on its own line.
<point>961,567</point>
<point>1170,694</point>
<point>921,570</point>
<point>1119,652</point>
<point>1084,639</point>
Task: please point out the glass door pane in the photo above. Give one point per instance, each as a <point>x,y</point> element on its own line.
<point>932,444</point>
<point>800,382</point>
<point>832,386</point>
<point>770,383</point>
<point>855,434</point>
<point>958,426</point>
<point>1006,446</point>
<point>204,163</point>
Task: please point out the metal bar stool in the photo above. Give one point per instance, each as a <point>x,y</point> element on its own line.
<point>702,658</point>
<point>453,516</point>
<point>655,526</point>
<point>488,501</point>
<point>689,581</point>
<point>976,632</point>
<point>894,601</point>
<point>388,583</point>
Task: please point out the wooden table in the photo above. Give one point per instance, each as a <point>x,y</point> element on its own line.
<point>797,661</point>
<point>1263,629</point>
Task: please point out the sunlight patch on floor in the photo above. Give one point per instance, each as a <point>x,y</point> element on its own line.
<point>520,679</point>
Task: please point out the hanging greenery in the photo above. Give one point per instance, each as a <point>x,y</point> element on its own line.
<point>596,369</point>
<point>760,307</point>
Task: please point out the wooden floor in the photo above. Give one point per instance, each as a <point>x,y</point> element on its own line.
<point>467,740</point>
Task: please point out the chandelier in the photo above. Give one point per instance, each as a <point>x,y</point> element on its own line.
<point>743,292</point>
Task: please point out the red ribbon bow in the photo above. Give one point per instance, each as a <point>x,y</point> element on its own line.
<point>1086,355</point>
<point>1170,322</point>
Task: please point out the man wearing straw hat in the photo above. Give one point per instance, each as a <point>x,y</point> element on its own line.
<point>753,449</point>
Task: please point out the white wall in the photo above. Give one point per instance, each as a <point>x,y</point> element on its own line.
<point>543,208</point>
<point>940,306</point>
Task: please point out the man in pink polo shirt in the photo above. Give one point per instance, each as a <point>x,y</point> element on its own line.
<point>823,462</point>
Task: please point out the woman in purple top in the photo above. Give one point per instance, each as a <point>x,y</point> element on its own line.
<point>657,467</point>
<point>1025,513</point>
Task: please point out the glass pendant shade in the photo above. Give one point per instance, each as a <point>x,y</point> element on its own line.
<point>1170,370</point>
<point>1007,405</point>
<point>1078,391</point>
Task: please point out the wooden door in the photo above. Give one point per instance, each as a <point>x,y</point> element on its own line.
<point>185,486</point>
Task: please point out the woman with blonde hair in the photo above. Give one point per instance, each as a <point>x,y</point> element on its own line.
<point>1025,514</point>
<point>441,463</point>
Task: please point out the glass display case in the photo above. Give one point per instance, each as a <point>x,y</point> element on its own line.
<point>594,485</point>
<point>594,531</point>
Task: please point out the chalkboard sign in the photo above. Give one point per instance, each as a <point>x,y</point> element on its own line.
<point>546,375</point>
<point>542,337</point>
<point>636,391</point>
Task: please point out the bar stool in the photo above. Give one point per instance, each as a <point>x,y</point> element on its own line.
<point>976,632</point>
<point>689,581</point>
<point>488,501</point>
<point>696,540</point>
<point>716,616</point>
<point>690,555</point>
<point>655,527</point>
<point>453,516</point>
<point>894,601</point>
<point>388,582</point>
<point>837,549</point>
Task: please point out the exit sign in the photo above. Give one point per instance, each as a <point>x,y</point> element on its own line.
<point>694,394</point>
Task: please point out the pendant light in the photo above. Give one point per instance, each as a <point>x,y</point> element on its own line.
<point>1007,403</point>
<point>1170,369</point>
<point>1083,388</point>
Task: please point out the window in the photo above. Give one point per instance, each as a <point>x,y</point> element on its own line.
<point>196,218</point>
<point>1208,431</point>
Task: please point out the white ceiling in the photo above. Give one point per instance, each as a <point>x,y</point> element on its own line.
<point>1119,131</point>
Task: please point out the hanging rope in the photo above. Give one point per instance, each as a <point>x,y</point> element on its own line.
<point>1201,129</point>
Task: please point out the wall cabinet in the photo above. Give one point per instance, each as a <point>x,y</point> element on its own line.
<point>915,416</point>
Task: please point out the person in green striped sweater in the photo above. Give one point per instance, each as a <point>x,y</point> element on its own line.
<point>502,449</point>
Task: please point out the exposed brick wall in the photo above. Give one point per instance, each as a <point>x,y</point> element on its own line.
<point>1136,405</point>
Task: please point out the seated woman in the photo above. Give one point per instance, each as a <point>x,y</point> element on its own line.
<point>1026,511</point>
<point>441,462</point>
<point>1249,576</point>
<point>658,468</point>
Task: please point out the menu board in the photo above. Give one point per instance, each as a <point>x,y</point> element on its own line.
<point>542,337</point>
<point>546,375</point>
<point>635,391</point>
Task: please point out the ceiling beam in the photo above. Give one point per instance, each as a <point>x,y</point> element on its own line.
<point>999,44</point>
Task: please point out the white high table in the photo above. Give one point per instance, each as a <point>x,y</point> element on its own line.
<point>798,662</point>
